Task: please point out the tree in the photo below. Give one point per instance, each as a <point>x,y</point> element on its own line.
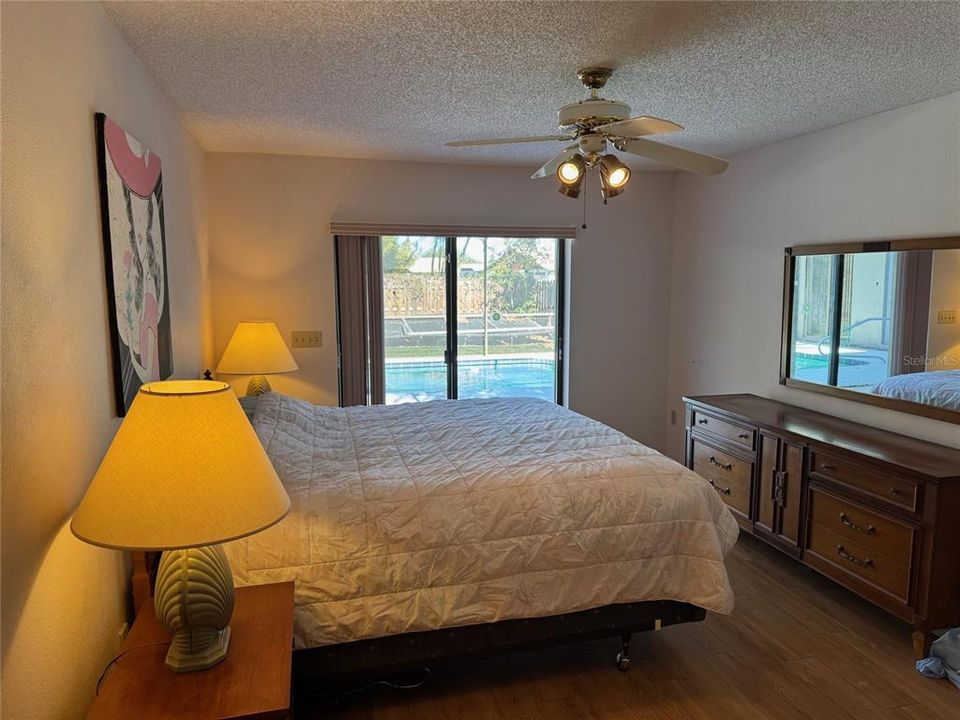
<point>438,255</point>
<point>398,255</point>
<point>512,277</point>
<point>519,254</point>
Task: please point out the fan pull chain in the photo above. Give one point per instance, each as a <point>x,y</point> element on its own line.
<point>585,185</point>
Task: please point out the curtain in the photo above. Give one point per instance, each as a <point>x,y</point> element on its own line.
<point>360,319</point>
<point>911,312</point>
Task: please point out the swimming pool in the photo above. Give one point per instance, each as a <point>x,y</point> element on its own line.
<point>859,368</point>
<point>509,377</point>
<point>804,361</point>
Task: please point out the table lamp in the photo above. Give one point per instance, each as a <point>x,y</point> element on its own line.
<point>256,348</point>
<point>184,473</point>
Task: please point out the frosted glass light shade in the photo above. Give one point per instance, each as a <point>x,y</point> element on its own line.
<point>256,348</point>
<point>185,469</point>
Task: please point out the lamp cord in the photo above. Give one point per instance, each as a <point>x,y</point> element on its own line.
<point>353,691</point>
<point>370,685</point>
<point>120,655</point>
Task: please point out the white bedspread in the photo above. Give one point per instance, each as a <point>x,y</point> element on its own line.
<point>420,516</point>
<point>940,388</point>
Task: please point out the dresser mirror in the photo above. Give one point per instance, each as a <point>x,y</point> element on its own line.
<point>875,322</point>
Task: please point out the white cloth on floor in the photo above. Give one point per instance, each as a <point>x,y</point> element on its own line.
<point>944,660</point>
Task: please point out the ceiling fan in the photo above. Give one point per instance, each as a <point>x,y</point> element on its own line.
<point>594,122</point>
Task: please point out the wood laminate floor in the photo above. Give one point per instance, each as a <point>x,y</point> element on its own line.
<point>797,646</point>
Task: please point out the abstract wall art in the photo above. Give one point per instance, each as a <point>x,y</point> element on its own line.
<point>138,297</point>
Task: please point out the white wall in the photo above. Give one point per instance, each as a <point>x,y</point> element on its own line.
<point>272,258</point>
<point>63,601</point>
<point>891,175</point>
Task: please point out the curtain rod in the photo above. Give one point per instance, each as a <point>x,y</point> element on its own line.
<point>338,227</point>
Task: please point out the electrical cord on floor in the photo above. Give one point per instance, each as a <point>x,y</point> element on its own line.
<point>369,686</point>
<point>120,655</point>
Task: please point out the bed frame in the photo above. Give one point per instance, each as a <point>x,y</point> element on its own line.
<point>332,666</point>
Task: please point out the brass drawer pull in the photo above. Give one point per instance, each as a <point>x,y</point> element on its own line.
<point>720,490</point>
<point>868,530</point>
<point>824,466</point>
<point>894,491</point>
<point>841,551</point>
<point>722,466</point>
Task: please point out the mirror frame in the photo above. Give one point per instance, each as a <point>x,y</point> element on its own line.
<point>837,248</point>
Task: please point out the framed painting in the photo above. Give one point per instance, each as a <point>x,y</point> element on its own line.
<point>138,296</point>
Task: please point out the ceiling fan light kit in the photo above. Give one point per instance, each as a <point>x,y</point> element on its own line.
<point>592,123</point>
<point>570,174</point>
<point>614,176</point>
<point>570,171</point>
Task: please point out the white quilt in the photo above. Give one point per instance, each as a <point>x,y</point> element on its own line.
<point>427,515</point>
<point>940,388</point>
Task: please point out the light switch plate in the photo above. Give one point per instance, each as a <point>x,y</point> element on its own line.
<point>946,317</point>
<point>306,339</point>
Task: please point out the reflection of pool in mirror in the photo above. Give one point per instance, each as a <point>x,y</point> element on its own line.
<point>885,319</point>
<point>862,369</point>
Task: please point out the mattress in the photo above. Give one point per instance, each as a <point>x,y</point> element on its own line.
<point>421,516</point>
<point>940,388</point>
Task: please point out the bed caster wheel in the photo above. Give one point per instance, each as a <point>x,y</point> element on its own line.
<point>623,657</point>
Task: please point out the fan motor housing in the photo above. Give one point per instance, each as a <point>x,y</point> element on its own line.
<point>592,112</point>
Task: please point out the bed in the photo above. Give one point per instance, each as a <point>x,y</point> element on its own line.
<point>940,388</point>
<point>437,529</point>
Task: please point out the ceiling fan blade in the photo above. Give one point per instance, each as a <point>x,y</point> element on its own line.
<point>674,157</point>
<point>639,126</point>
<point>550,167</point>
<point>505,141</point>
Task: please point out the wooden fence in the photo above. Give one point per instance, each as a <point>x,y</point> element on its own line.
<point>422,294</point>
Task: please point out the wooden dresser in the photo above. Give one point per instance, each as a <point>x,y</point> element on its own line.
<point>877,512</point>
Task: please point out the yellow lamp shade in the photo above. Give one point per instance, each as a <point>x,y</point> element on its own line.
<point>185,469</point>
<point>256,348</point>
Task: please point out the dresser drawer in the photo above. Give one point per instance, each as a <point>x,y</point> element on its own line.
<point>737,434</point>
<point>857,560</point>
<point>730,476</point>
<point>857,524</point>
<point>892,489</point>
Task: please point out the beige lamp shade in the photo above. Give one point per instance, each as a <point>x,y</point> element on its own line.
<point>256,348</point>
<point>185,469</point>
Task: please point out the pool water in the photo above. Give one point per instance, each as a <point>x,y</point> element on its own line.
<point>862,371</point>
<point>802,361</point>
<point>809,362</point>
<point>512,377</point>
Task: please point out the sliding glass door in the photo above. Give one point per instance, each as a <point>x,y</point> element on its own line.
<point>507,317</point>
<point>472,317</point>
<point>415,333</point>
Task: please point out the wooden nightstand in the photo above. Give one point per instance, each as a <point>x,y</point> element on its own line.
<point>252,682</point>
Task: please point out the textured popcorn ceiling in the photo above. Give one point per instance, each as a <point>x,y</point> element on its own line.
<point>399,79</point>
